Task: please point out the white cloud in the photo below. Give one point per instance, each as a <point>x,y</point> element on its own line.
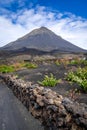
<point>69,26</point>
<point>9,31</point>
<point>5,1</point>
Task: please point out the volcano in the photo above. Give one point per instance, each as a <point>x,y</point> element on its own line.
<point>43,39</point>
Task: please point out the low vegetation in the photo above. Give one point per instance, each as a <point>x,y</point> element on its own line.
<point>6,69</point>
<point>16,66</point>
<point>57,63</point>
<point>79,77</point>
<point>30,65</point>
<point>78,62</point>
<point>50,81</point>
<point>71,62</point>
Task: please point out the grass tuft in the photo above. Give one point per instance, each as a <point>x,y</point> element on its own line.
<point>50,81</point>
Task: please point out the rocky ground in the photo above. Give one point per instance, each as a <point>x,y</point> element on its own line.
<point>52,109</point>
<point>64,88</point>
<point>9,113</point>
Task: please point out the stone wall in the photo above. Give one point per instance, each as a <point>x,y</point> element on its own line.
<point>54,111</point>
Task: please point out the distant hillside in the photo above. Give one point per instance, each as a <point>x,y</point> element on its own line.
<point>43,39</point>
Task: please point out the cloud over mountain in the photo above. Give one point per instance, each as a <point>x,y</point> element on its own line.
<point>69,26</point>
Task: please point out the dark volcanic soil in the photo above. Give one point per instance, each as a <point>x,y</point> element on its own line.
<point>64,88</point>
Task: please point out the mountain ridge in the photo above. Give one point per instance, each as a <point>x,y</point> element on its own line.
<point>42,39</point>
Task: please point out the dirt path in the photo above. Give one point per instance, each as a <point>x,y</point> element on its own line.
<point>13,115</point>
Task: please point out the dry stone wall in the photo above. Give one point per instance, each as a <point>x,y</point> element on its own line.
<point>54,111</point>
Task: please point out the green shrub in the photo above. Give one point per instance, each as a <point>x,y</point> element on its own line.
<point>79,77</point>
<point>57,63</point>
<point>16,66</point>
<point>78,62</point>
<point>6,69</point>
<point>74,62</point>
<point>83,85</point>
<point>81,73</point>
<point>49,81</point>
<point>30,65</point>
<point>84,62</point>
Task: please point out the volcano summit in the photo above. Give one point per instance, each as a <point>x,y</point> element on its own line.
<point>43,39</point>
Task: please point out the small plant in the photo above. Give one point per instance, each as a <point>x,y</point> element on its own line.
<point>74,62</point>
<point>79,77</point>
<point>30,65</point>
<point>6,69</point>
<point>57,63</point>
<point>49,81</point>
<point>83,62</point>
<point>78,62</point>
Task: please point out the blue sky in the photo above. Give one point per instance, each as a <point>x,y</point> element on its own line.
<point>64,17</point>
<point>78,7</point>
